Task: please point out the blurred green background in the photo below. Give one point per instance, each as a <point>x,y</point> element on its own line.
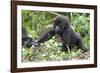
<point>39,22</point>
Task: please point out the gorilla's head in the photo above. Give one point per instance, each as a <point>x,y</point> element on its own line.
<point>60,24</point>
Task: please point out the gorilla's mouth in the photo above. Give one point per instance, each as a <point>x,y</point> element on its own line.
<point>58,31</point>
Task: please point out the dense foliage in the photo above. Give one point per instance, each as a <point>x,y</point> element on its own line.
<point>39,22</point>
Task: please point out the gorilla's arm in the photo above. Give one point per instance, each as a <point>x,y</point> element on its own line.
<point>46,36</point>
<point>66,40</point>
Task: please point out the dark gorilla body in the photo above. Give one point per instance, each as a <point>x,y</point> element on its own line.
<point>26,40</point>
<point>62,27</point>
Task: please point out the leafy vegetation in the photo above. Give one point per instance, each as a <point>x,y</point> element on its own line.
<point>39,22</point>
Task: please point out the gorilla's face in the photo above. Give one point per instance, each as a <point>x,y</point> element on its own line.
<point>58,28</point>
<point>60,24</point>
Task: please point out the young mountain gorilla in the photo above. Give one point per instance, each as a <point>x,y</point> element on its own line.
<point>69,37</point>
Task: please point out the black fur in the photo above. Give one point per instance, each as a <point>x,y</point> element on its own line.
<point>26,40</point>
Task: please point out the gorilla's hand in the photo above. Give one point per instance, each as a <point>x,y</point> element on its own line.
<point>35,43</point>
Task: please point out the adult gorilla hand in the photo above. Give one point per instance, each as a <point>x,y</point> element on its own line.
<point>35,43</point>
